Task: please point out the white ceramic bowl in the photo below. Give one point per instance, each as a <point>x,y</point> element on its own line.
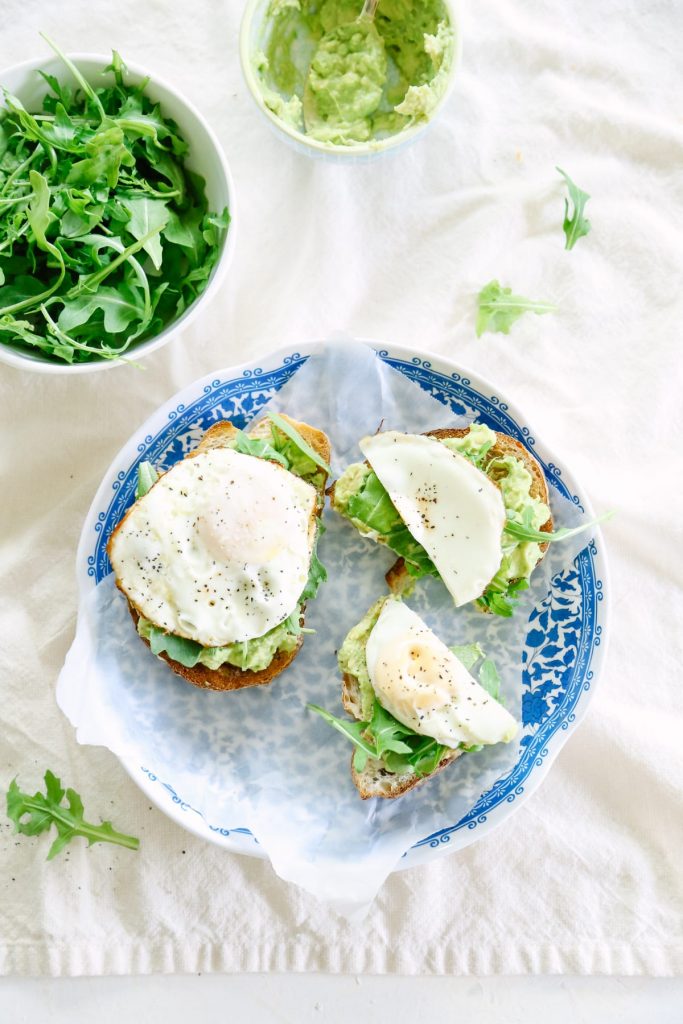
<point>205,157</point>
<point>252,35</point>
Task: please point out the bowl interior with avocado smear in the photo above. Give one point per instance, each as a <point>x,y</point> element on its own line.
<point>336,81</point>
<point>115,213</point>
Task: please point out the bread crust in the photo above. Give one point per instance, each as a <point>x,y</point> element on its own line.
<point>376,781</point>
<point>230,677</point>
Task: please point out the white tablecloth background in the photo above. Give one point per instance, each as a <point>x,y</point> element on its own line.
<point>585,878</point>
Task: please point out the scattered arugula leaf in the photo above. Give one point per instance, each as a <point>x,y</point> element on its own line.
<point>94,188</point>
<point>576,226</point>
<point>499,309</point>
<point>46,809</point>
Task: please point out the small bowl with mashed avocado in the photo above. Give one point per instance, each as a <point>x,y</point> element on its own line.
<point>334,83</point>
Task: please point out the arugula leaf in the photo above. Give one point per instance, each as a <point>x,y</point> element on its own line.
<point>293,434</point>
<point>38,213</point>
<point>179,648</point>
<point>46,809</point>
<point>259,448</point>
<point>576,226</point>
<point>501,598</point>
<point>468,654</point>
<point>388,732</point>
<point>213,226</point>
<point>117,67</point>
<point>386,739</point>
<point>120,308</point>
<point>499,309</point>
<point>353,731</point>
<point>147,215</point>
<point>147,477</point>
<point>317,573</point>
<point>106,152</point>
<point>85,86</point>
<point>39,220</point>
<point>489,678</point>
<point>373,507</point>
<point>401,748</point>
<point>525,532</point>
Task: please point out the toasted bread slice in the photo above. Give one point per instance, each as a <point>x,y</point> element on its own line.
<point>375,780</point>
<point>399,579</point>
<point>229,677</point>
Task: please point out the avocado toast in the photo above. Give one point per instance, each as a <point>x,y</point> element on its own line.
<point>360,496</point>
<point>246,551</point>
<point>415,705</point>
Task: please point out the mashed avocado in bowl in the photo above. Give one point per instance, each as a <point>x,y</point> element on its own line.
<point>340,83</point>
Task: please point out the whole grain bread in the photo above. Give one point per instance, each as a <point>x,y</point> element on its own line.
<point>375,780</point>
<point>230,677</point>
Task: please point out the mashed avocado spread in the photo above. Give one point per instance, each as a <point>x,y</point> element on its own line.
<point>342,79</point>
<point>249,655</point>
<point>352,660</point>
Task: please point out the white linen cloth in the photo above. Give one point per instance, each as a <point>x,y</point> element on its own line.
<point>585,877</point>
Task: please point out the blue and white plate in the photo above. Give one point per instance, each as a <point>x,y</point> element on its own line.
<point>566,632</point>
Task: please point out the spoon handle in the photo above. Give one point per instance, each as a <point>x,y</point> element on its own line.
<point>369,9</point>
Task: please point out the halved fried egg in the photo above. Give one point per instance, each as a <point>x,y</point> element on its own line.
<point>419,681</point>
<point>451,507</point>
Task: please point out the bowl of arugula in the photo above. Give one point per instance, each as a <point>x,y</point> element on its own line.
<point>115,207</point>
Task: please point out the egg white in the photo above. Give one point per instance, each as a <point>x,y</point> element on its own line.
<point>419,681</point>
<point>218,551</point>
<point>455,512</point>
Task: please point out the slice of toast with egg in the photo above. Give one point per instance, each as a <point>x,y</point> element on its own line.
<point>415,702</point>
<point>399,579</point>
<point>237,554</point>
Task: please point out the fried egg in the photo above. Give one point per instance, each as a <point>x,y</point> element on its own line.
<point>419,681</point>
<point>452,508</point>
<point>218,551</point>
